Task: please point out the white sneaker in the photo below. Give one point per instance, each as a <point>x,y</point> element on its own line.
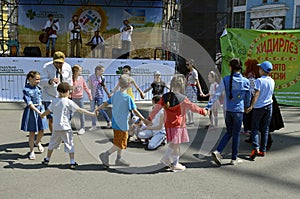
<point>93,128</point>
<point>217,157</point>
<point>31,156</point>
<point>237,161</point>
<point>81,131</point>
<point>108,125</point>
<point>178,167</point>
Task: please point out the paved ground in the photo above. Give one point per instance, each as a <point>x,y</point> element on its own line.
<point>277,175</point>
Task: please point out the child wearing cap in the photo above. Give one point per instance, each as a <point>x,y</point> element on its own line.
<point>158,86</point>
<point>262,109</point>
<point>136,127</point>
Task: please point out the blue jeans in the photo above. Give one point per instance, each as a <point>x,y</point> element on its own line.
<point>98,101</point>
<point>53,44</point>
<point>261,118</point>
<point>233,121</point>
<point>80,103</point>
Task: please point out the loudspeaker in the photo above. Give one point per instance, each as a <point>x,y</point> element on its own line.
<point>32,51</point>
<point>199,21</point>
<point>119,53</point>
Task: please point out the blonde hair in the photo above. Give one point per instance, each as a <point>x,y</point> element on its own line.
<point>214,75</point>
<point>178,81</point>
<point>124,81</point>
<point>76,67</point>
<point>99,67</point>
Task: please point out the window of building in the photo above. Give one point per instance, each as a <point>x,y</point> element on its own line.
<point>297,17</point>
<point>239,2</point>
<point>239,20</point>
<point>265,1</point>
<point>275,0</point>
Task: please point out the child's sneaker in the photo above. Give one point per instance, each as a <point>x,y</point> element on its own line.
<point>254,153</point>
<point>104,159</point>
<point>81,131</point>
<point>217,157</point>
<point>45,161</point>
<point>93,128</point>
<point>178,167</point>
<point>40,147</point>
<point>121,162</point>
<point>31,156</point>
<point>73,166</point>
<point>237,161</point>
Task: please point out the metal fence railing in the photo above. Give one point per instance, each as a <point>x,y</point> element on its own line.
<point>13,84</point>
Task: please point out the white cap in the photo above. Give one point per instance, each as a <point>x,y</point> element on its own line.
<point>157,73</point>
<point>135,119</point>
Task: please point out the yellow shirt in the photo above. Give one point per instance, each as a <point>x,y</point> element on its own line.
<point>130,93</point>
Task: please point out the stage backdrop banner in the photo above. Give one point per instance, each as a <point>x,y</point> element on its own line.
<point>13,72</point>
<point>280,47</point>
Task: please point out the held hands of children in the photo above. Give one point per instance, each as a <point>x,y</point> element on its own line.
<point>206,112</point>
<point>142,95</point>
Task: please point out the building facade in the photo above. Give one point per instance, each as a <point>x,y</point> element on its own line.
<point>266,14</point>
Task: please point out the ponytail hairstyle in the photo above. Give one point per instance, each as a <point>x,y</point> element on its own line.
<point>155,98</point>
<point>236,65</point>
<point>177,83</point>
<point>31,74</point>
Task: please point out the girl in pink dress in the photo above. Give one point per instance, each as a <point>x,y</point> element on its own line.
<point>175,104</point>
<point>79,86</point>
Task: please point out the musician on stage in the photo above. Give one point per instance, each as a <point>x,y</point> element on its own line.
<point>97,42</point>
<point>51,28</point>
<point>126,32</point>
<point>75,36</point>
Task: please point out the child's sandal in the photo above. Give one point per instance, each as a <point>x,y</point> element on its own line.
<point>40,147</point>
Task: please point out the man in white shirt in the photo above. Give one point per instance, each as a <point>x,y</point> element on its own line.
<point>75,36</point>
<point>53,73</point>
<point>126,32</point>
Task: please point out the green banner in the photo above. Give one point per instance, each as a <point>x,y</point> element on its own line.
<point>280,47</point>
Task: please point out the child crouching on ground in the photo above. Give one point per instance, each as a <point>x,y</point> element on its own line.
<point>122,105</point>
<point>156,132</point>
<point>61,108</point>
<point>136,127</point>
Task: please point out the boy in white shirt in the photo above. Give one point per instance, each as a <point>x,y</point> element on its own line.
<point>61,108</point>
